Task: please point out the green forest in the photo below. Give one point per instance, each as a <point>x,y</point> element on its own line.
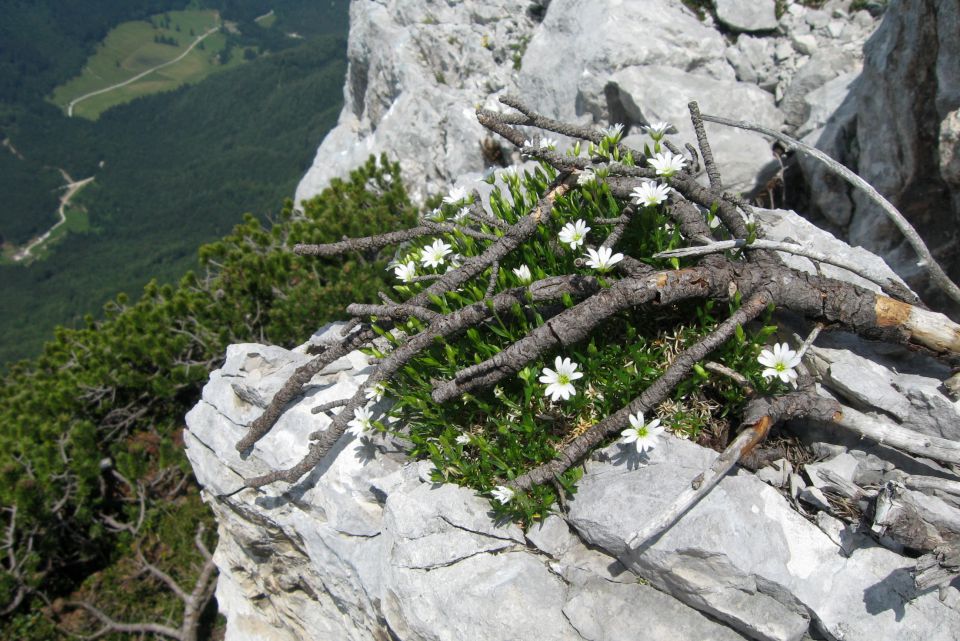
<point>94,423</point>
<point>172,170</point>
<point>108,335</point>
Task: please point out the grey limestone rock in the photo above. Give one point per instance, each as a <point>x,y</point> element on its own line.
<point>607,611</point>
<point>747,15</point>
<point>745,557</point>
<point>824,65</point>
<point>815,497</point>
<point>416,71</point>
<point>601,38</point>
<point>366,547</point>
<point>844,465</point>
<point>741,155</point>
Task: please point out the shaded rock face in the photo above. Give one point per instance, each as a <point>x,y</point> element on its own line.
<point>897,130</point>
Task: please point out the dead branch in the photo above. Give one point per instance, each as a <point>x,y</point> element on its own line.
<point>922,523</point>
<point>713,173</point>
<point>927,261</point>
<point>194,602</point>
<point>797,249</point>
<point>109,626</point>
<point>653,395</point>
<point>16,559</point>
<point>885,432</point>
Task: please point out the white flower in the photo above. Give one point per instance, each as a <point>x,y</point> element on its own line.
<point>433,254</point>
<point>523,274</point>
<point>780,362</point>
<point>463,439</point>
<point>548,143</point>
<point>509,173</point>
<point>644,435</point>
<point>406,271</point>
<point>574,233</point>
<point>560,383</point>
<point>650,194</point>
<point>614,132</point>
<point>586,177</point>
<point>375,392</point>
<point>457,195</point>
<point>603,259</point>
<point>666,163</point>
<point>658,130</point>
<point>503,494</point>
<point>362,421</point>
<point>461,214</point>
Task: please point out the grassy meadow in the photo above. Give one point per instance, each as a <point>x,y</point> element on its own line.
<point>136,46</point>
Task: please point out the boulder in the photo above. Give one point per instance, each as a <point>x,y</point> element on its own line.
<point>743,556</point>
<point>741,155</point>
<point>634,34</point>
<point>747,15</point>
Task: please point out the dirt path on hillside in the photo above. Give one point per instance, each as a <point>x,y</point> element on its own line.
<point>140,75</point>
<point>72,188</point>
<point>13,150</point>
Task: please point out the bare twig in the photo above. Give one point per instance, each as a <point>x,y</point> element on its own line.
<point>927,261</point>
<point>109,626</point>
<point>733,375</point>
<point>861,270</point>
<point>194,602</point>
<point>713,173</point>
<point>886,432</point>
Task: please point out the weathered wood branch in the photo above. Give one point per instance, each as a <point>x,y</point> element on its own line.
<point>575,324</point>
<point>861,270</point>
<point>923,523</point>
<point>816,297</point>
<point>927,261</point>
<point>367,243</point>
<point>885,432</point>
<point>713,173</point>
